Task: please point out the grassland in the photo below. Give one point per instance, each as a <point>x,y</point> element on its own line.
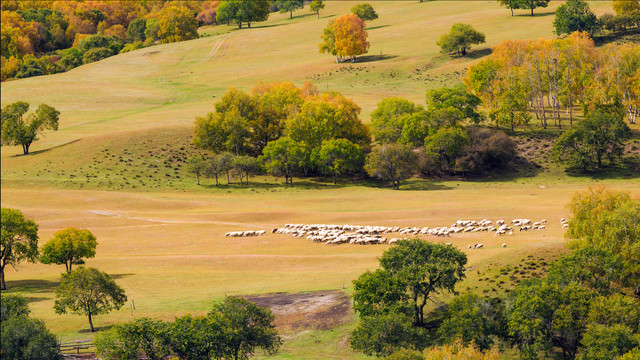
<point>116,168</point>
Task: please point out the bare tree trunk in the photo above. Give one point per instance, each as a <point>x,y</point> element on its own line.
<point>91,323</point>
<point>3,286</point>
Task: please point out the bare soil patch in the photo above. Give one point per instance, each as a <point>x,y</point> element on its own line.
<point>315,310</point>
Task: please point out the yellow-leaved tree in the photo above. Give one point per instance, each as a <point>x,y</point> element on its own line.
<point>345,38</point>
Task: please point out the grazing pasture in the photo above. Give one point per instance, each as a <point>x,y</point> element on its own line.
<point>115,168</point>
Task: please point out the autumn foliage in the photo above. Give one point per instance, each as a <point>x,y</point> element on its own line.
<point>345,38</point>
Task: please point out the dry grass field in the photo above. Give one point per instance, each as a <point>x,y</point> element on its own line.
<point>109,169</point>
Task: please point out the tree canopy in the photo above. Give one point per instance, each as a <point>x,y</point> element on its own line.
<point>88,292</point>
<point>289,6</point>
<point>315,6</point>
<point>365,12</point>
<point>393,162</point>
<point>19,240</point>
<point>20,130</point>
<point>459,39</point>
<point>339,156</point>
<point>574,15</point>
<point>345,37</point>
<point>69,247</point>
<point>177,23</point>
<point>240,11</point>
<point>283,157</point>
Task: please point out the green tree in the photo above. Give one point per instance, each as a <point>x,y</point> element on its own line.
<point>12,305</point>
<point>241,11</point>
<point>136,29</point>
<point>176,23</point>
<point>383,334</point>
<point>20,130</point>
<point>459,39</point>
<point>473,320</point>
<point>543,316</point>
<point>247,327</point>
<point>393,162</point>
<point>609,221</point>
<point>289,6</point>
<point>96,54</point>
<point>365,12</point>
<point>457,99</point>
<point>599,136</point>
<point>575,15</point>
<point>379,293</point>
<point>197,165</point>
<point>339,156</point>
<point>245,166</point>
<point>69,247</point>
<point>224,162</point>
<point>283,157</point>
<point>129,341</point>
<point>592,267</point>
<point>198,337</point>
<point>19,240</point>
<point>315,6</point>
<point>27,338</point>
<point>604,342</point>
<point>274,103</point>
<point>532,4</point>
<point>88,292</point>
<point>626,7</point>
<point>445,145</point>
<point>511,4</point>
<point>399,120</point>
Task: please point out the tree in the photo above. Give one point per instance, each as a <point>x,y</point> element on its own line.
<point>135,30</point>
<point>532,4</point>
<point>13,305</point>
<point>18,130</point>
<point>345,37</point>
<point>19,241</point>
<point>608,220</point>
<point>445,145</point>
<point>364,12</point>
<point>626,7</point>
<point>410,274</point>
<point>69,247</point>
<point>543,316</point>
<point>383,334</point>
<point>394,162</point>
<point>574,15</point>
<point>473,320</point>
<point>245,166</point>
<point>96,54</point>
<point>487,150</point>
<point>88,292</point>
<point>399,120</point>
<point>608,342</point>
<point>459,39</point>
<point>197,165</point>
<point>283,157</point>
<point>595,268</point>
<point>198,337</point>
<point>242,11</point>
<point>289,6</point>
<point>275,102</point>
<point>511,4</point>
<point>315,6</point>
<point>27,338</point>
<point>598,136</point>
<point>177,23</point>
<point>248,327</point>
<point>225,164</point>
<point>458,100</point>
<point>339,156</point>
<point>129,341</point>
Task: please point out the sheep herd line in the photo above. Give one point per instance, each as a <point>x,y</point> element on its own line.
<point>369,235</point>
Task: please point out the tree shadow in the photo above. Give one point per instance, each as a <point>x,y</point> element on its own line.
<point>372,58</point>
<point>477,54</point>
<point>535,14</point>
<point>96,328</point>
<point>626,168</point>
<point>632,36</point>
<point>119,276</point>
<point>376,27</point>
<point>32,286</point>
<point>35,298</point>
<point>48,149</point>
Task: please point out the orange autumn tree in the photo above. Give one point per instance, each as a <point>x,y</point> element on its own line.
<point>345,38</point>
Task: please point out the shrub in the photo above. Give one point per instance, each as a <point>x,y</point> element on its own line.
<point>96,54</point>
<point>487,150</point>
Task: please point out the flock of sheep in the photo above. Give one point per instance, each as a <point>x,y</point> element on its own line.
<point>366,235</point>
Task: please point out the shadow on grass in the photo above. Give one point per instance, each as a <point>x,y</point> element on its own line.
<point>96,328</point>
<point>627,168</point>
<point>35,298</point>
<point>372,58</point>
<point>627,36</point>
<point>48,149</point>
<point>119,276</point>
<point>535,14</point>
<point>377,27</point>
<point>477,54</point>
<point>32,286</point>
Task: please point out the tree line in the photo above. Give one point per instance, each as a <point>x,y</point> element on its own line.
<point>586,307</point>
<point>41,38</point>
